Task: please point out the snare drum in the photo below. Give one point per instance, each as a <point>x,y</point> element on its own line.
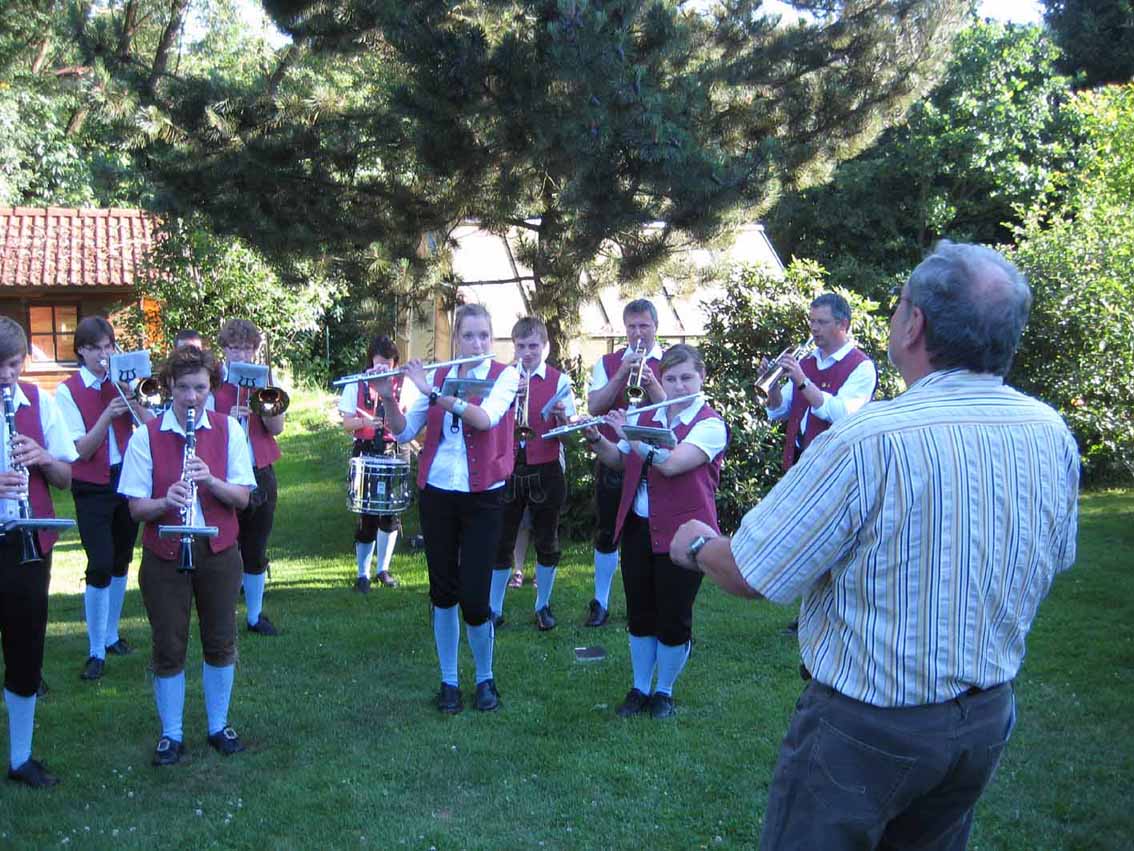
<point>378,485</point>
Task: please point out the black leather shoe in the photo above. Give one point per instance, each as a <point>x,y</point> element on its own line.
<point>661,706</point>
<point>497,620</point>
<point>792,628</point>
<point>32,773</point>
<point>226,742</point>
<point>362,585</point>
<point>93,669</point>
<point>168,751</point>
<point>487,697</point>
<point>634,704</point>
<point>119,648</point>
<point>449,699</point>
<point>544,619</point>
<point>598,614</point>
<point>263,627</point>
<point>387,580</point>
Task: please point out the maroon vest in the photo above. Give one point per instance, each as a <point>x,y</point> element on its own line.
<point>265,450</point>
<point>490,454</point>
<point>673,499</point>
<point>610,364</point>
<point>368,403</point>
<point>29,425</point>
<point>829,380</point>
<point>539,449</point>
<point>91,404</point>
<point>167,452</point>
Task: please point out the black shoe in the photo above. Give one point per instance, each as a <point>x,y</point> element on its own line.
<point>362,585</point>
<point>634,704</point>
<point>487,697</point>
<point>386,579</point>
<point>792,628</point>
<point>661,706</point>
<point>33,774</point>
<point>226,742</point>
<point>168,752</point>
<point>598,615</point>
<point>119,648</point>
<point>497,620</point>
<point>93,669</point>
<point>544,619</point>
<point>449,699</point>
<point>263,627</point>
<point>43,689</point>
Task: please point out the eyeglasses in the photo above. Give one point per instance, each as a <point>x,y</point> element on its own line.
<point>896,298</point>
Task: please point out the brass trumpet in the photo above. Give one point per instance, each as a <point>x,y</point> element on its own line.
<point>635,393</point>
<point>767,379</point>
<point>523,430</point>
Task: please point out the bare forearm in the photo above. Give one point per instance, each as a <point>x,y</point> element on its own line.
<point>473,415</point>
<point>716,562</point>
<point>602,400</point>
<point>395,419</point>
<point>89,443</point>
<point>608,454</point>
<point>58,474</point>
<point>274,425</point>
<point>143,510</point>
<point>234,496</point>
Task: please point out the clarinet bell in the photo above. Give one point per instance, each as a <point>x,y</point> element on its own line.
<point>31,552</point>
<point>185,565</point>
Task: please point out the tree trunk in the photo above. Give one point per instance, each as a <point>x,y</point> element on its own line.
<point>41,54</point>
<point>165,44</point>
<point>129,27</point>
<point>77,118</point>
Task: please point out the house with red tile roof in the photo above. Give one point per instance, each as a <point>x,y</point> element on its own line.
<point>61,264</point>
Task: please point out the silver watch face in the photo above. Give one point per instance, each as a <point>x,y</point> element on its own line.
<point>696,545</point>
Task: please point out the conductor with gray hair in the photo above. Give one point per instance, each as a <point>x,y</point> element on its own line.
<point>935,524</point>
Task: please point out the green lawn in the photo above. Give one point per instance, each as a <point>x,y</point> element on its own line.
<point>345,749</point>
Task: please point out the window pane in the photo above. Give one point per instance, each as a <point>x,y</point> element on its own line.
<point>40,320</point>
<point>43,347</point>
<point>66,318</point>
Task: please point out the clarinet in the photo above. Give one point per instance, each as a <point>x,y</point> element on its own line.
<point>187,513</point>
<point>31,550</point>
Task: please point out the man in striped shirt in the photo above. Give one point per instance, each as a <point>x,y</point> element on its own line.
<point>922,535</point>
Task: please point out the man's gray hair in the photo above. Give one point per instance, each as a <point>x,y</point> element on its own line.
<point>840,308</point>
<point>975,305</point>
<point>640,305</point>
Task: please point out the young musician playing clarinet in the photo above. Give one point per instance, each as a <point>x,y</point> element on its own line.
<point>42,447</point>
<point>156,476</point>
<point>100,422</point>
<point>361,414</point>
<point>466,460</point>
<point>662,488</point>
<point>240,340</point>
<point>610,377</point>
<point>537,482</point>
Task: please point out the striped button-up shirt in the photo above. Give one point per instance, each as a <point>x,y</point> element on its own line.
<point>922,534</point>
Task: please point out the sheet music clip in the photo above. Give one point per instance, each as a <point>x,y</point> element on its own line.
<point>59,523</point>
<point>560,394</point>
<point>663,438</point>
<point>187,531</point>
<point>467,388</point>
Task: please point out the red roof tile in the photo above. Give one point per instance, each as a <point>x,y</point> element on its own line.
<point>68,247</point>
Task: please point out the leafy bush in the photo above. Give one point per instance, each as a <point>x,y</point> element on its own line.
<point>760,316</point>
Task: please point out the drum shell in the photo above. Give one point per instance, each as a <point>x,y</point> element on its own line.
<point>378,485</point>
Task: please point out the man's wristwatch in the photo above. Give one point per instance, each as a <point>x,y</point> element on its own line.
<point>803,384</point>
<point>433,397</point>
<point>695,546</point>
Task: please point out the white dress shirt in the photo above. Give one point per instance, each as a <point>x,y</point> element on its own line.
<point>56,437</point>
<point>709,435</point>
<point>73,417</point>
<point>599,376</point>
<point>137,467</point>
<point>450,468</point>
<point>855,392</point>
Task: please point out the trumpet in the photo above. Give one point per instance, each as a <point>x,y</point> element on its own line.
<point>635,393</point>
<point>188,529</point>
<point>26,523</point>
<point>767,379</point>
<point>523,430</point>
<point>597,421</point>
<point>390,373</point>
<point>147,391</point>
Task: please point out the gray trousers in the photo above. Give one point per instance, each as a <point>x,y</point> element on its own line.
<point>855,776</point>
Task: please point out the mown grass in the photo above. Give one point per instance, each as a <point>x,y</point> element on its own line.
<point>345,749</point>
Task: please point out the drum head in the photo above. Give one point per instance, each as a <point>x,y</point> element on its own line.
<point>378,485</point>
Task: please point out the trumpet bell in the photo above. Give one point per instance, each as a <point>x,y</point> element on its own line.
<point>523,432</point>
<point>269,402</point>
<point>150,393</point>
<point>635,395</point>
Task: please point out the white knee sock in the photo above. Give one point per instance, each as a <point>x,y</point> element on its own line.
<point>21,726</point>
<point>447,637</point>
<point>169,695</point>
<point>545,579</point>
<point>381,544</point>
<point>385,555</point>
<point>499,587</point>
<point>217,683</point>
<point>96,603</point>
<point>671,661</point>
<point>643,657</point>
<point>606,564</point>
<point>114,613</point>
<point>254,596</point>
<point>363,553</point>
<point>481,641</point>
